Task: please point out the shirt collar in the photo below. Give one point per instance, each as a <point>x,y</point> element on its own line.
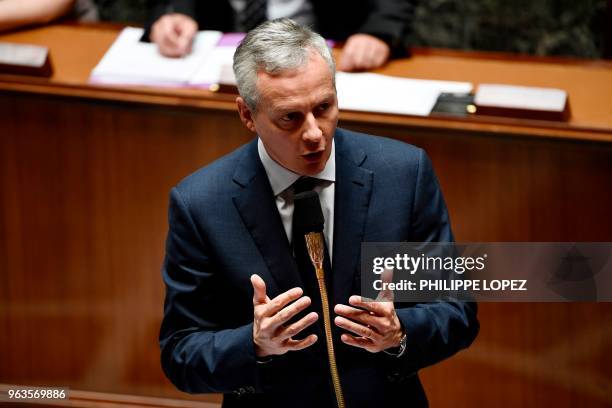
<point>282,178</point>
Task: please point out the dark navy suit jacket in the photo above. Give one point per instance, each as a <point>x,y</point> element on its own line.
<point>224,226</point>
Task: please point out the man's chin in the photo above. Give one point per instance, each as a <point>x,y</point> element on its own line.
<point>314,163</point>
<point>311,169</point>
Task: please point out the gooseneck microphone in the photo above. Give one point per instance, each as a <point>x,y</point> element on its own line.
<point>308,219</point>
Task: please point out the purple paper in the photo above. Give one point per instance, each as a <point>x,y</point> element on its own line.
<point>230,39</point>
<point>233,40</point>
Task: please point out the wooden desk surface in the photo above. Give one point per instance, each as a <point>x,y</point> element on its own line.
<point>76,49</point>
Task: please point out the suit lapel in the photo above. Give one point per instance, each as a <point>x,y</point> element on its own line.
<point>256,205</point>
<point>352,198</point>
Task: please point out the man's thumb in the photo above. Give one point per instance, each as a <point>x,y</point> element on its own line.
<point>259,289</point>
<point>386,295</point>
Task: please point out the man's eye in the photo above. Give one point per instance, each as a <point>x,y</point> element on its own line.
<point>323,107</point>
<point>290,117</point>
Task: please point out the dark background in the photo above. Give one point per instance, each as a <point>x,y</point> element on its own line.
<point>538,27</point>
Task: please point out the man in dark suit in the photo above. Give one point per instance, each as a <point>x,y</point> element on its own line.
<point>374,30</point>
<point>241,315</point>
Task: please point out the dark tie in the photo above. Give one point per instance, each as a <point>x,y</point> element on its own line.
<point>307,271</point>
<point>254,14</point>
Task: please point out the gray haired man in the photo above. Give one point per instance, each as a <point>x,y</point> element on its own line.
<point>242,316</point>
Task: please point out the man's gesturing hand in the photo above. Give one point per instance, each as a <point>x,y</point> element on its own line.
<point>270,334</point>
<point>377,327</point>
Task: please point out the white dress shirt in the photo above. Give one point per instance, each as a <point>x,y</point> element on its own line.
<point>281,179</point>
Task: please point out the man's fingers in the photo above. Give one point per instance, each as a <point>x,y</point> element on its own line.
<point>379,58</point>
<point>173,34</point>
<point>169,49</point>
<point>298,326</point>
<point>363,51</point>
<point>361,316</point>
<point>301,344</point>
<point>375,54</point>
<point>345,63</point>
<point>285,314</point>
<point>358,342</point>
<point>358,55</point>
<point>358,329</point>
<point>259,290</point>
<point>350,56</point>
<point>168,46</point>
<point>386,295</point>
<point>183,45</point>
<point>378,308</point>
<point>369,59</point>
<point>186,33</point>
<point>164,35</point>
<point>282,300</point>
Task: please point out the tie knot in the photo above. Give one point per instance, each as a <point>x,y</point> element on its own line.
<point>304,184</point>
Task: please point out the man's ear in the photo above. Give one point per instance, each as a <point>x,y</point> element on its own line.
<point>246,115</point>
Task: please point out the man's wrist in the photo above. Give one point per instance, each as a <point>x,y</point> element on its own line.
<point>400,348</point>
<point>259,353</point>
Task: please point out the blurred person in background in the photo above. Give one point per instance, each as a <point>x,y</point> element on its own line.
<point>20,13</point>
<point>374,30</point>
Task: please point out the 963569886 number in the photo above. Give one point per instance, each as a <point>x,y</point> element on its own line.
<point>35,393</point>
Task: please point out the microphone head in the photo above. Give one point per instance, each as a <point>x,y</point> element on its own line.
<point>307,215</point>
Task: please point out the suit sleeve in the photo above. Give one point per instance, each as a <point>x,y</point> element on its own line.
<point>198,353</point>
<point>434,330</point>
<point>391,21</point>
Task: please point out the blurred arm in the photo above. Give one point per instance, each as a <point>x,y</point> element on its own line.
<point>16,13</point>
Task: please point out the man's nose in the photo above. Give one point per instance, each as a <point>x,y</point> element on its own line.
<point>312,133</point>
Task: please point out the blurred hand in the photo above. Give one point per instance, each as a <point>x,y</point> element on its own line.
<point>375,323</point>
<point>270,334</point>
<point>362,52</point>
<point>173,34</point>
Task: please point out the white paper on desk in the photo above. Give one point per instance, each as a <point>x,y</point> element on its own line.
<point>387,94</point>
<point>130,61</point>
<point>216,67</point>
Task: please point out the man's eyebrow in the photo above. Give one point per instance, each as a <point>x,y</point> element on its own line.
<point>286,108</point>
<point>298,107</point>
<point>327,97</point>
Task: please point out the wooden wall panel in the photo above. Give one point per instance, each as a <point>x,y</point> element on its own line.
<point>83,221</point>
<point>517,188</point>
<point>530,355</point>
<point>84,187</point>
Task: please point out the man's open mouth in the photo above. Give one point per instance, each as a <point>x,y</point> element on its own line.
<point>313,157</point>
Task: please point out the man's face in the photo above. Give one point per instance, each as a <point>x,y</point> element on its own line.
<point>296,116</point>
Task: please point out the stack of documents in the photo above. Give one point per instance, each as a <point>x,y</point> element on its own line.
<point>132,62</point>
<point>387,94</point>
